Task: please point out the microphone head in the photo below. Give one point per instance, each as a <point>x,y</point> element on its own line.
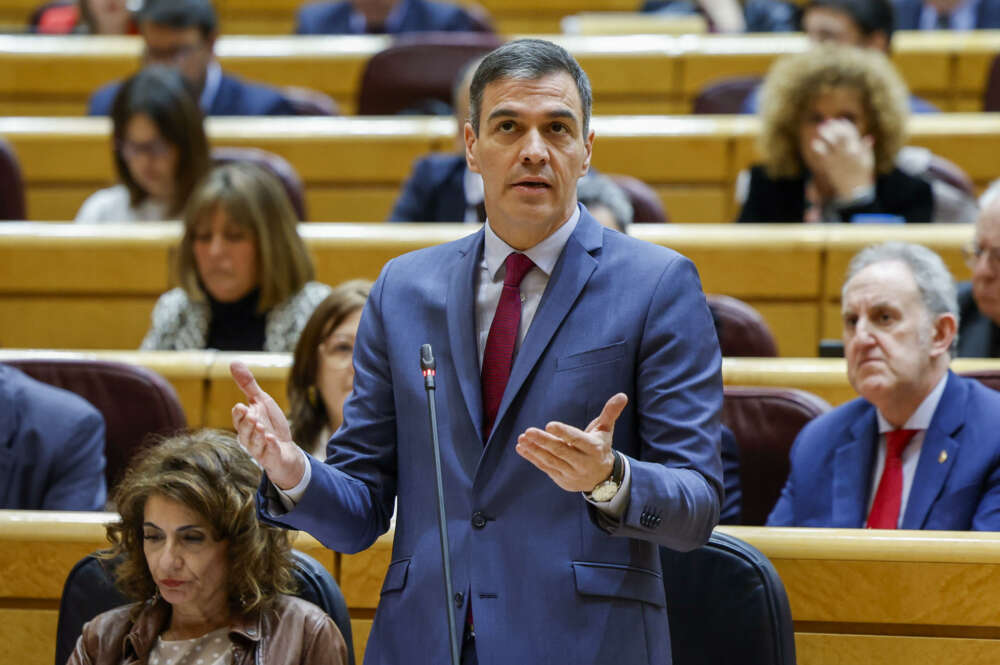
<point>426,357</point>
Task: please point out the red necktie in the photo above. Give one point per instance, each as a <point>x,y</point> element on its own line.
<point>499,353</point>
<point>889,496</point>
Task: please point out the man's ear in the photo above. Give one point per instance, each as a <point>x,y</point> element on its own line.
<point>588,146</point>
<point>470,148</point>
<point>945,329</point>
<point>878,40</point>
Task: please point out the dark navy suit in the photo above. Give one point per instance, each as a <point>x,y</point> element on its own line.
<point>434,192</point>
<point>334,18</point>
<point>234,97</point>
<point>550,578</point>
<point>978,336</point>
<point>957,482</point>
<point>51,447</point>
<point>908,14</point>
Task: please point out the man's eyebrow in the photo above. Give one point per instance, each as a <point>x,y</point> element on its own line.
<point>503,112</point>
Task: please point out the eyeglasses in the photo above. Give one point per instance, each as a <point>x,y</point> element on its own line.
<point>154,149</point>
<point>338,350</point>
<point>973,252</point>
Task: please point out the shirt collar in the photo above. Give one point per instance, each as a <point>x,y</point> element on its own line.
<point>213,79</point>
<point>921,418</point>
<point>544,255</point>
<point>472,182</point>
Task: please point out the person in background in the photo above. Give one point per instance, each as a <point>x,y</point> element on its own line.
<point>322,373</point>
<point>160,151</point>
<point>181,34</point>
<point>210,581</point>
<point>245,273</point>
<point>605,200</point>
<point>358,17</point>
<point>947,14</point>
<point>52,445</point>
<point>833,121</point>
<point>733,15</point>
<point>979,299</point>
<point>87,17</point>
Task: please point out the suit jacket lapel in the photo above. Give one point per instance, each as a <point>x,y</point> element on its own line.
<point>461,310</point>
<point>933,467</point>
<point>852,473</point>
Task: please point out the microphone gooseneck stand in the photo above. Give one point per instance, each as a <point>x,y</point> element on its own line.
<point>427,367</point>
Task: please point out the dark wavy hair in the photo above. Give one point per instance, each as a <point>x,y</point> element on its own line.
<point>210,473</point>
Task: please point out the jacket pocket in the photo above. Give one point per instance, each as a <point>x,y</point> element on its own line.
<point>395,576</point>
<point>603,354</point>
<point>619,581</point>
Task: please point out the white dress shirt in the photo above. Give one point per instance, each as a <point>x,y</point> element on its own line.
<point>472,184</point>
<point>962,17</point>
<point>213,79</point>
<point>919,420</point>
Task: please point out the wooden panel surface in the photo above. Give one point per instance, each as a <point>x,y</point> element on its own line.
<point>834,649</point>
<point>28,636</point>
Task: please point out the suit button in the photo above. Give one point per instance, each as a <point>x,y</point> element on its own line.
<point>459,598</point>
<point>478,520</point>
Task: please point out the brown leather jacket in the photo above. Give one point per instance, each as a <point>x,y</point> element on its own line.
<point>293,632</point>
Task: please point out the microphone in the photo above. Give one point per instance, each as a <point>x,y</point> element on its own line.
<point>427,367</point>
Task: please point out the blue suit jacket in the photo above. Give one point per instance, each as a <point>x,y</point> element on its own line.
<point>51,447</point>
<point>978,336</point>
<point>832,460</point>
<point>434,192</point>
<point>334,18</point>
<point>234,97</point>
<point>908,14</point>
<point>551,579</point>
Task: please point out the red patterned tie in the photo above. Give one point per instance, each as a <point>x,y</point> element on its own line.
<point>499,353</point>
<point>889,495</point>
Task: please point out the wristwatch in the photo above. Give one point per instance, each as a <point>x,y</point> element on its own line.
<point>607,489</point>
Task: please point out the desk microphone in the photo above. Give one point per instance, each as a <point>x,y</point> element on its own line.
<point>427,367</point>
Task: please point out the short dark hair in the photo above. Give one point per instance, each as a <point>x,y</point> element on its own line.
<point>161,93</point>
<point>527,59</point>
<point>182,14</point>
<point>869,15</point>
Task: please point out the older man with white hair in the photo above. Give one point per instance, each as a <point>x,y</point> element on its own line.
<point>919,449</point>
<point>979,299</point>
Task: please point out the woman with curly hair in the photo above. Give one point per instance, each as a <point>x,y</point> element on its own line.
<point>833,120</point>
<point>211,581</point>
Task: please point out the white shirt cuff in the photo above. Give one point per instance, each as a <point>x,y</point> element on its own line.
<point>289,498</point>
<point>618,504</point>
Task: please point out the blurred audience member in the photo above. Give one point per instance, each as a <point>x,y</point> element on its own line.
<point>211,582</point>
<point>88,17</point>
<point>606,201</point>
<point>441,187</point>
<point>160,151</point>
<point>979,300</point>
<point>244,271</point>
<point>359,17</point>
<point>833,122</point>
<point>182,34</point>
<point>733,15</point>
<point>920,448</point>
<point>947,14</point>
<point>862,23</point>
<point>322,373</point>
<point>52,444</point>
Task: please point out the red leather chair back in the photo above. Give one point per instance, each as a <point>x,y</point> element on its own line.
<point>991,95</point>
<point>646,205</point>
<point>765,422</point>
<point>726,96</point>
<point>419,67</point>
<point>278,167</point>
<point>742,330</point>
<point>135,402</point>
<point>11,185</point>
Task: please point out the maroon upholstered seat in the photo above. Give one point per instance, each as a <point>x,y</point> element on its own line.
<point>948,171</point>
<point>742,330</point>
<point>646,205</point>
<point>277,165</point>
<point>11,185</point>
<point>310,102</point>
<point>988,377</point>
<point>135,402</point>
<point>419,67</point>
<point>725,96</point>
<point>765,422</point>
<point>991,94</point>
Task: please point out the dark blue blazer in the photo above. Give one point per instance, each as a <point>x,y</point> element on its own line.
<point>908,14</point>
<point>334,18</point>
<point>51,447</point>
<point>550,579</point>
<point>978,336</point>
<point>956,486</point>
<point>434,192</point>
<point>234,97</point>
<point>732,505</point>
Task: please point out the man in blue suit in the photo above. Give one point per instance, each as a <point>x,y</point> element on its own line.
<point>181,34</point>
<point>358,17</point>
<point>51,447</point>
<point>920,448</point>
<point>554,523</point>
<point>947,14</point>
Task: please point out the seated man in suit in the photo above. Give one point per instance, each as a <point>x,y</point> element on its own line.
<point>181,34</point>
<point>51,447</point>
<point>358,17</point>
<point>979,299</point>
<point>920,448</point>
<point>947,14</point>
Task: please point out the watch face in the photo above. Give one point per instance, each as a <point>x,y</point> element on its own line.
<point>605,491</point>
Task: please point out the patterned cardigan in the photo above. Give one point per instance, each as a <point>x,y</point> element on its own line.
<point>180,323</point>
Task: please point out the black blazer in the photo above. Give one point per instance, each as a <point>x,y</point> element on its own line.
<point>978,336</point>
<point>784,199</point>
<point>434,192</point>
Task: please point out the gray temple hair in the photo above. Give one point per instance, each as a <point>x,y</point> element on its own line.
<point>596,189</point>
<point>934,281</point>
